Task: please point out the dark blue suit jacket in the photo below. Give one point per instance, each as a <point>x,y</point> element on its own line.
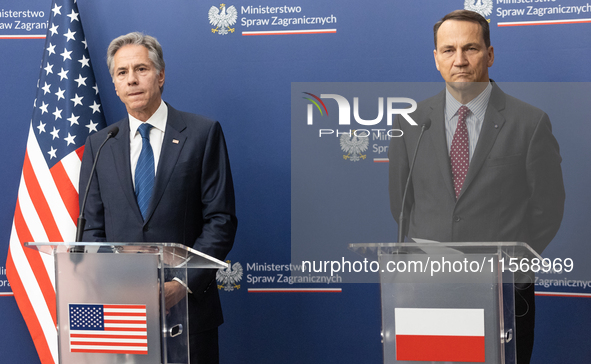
<point>192,201</point>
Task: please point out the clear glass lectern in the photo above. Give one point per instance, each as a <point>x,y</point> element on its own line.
<point>110,308</point>
<point>450,302</point>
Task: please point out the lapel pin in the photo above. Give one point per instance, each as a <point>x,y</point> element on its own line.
<point>175,141</point>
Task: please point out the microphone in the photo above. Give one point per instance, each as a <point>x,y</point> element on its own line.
<point>426,125</point>
<point>81,220</point>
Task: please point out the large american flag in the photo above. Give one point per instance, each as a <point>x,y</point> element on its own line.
<point>66,110</point>
<point>115,329</point>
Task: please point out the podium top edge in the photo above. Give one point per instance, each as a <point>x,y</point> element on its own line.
<point>83,243</point>
<point>438,247</point>
<point>438,243</point>
<point>52,247</point>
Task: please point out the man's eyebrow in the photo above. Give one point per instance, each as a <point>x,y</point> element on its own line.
<point>134,66</point>
<point>448,46</point>
<point>472,44</point>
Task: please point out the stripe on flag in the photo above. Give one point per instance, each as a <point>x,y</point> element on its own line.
<point>47,203</point>
<point>440,334</point>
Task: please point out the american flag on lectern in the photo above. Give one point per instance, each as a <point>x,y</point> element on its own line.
<point>67,109</point>
<point>115,329</point>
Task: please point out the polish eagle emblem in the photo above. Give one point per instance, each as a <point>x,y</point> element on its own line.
<point>482,7</point>
<point>354,145</point>
<point>222,19</point>
<point>229,277</point>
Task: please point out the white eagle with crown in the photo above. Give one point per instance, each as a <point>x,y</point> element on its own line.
<point>482,7</point>
<point>229,277</point>
<point>223,18</point>
<point>354,145</point>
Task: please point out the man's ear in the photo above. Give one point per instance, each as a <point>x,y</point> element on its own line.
<point>491,56</point>
<point>435,56</point>
<point>161,77</point>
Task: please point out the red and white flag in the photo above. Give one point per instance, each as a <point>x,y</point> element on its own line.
<point>115,329</point>
<point>66,111</point>
<point>440,334</point>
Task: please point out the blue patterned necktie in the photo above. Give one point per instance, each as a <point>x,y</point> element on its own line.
<point>144,171</point>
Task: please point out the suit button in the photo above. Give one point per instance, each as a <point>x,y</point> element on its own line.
<point>457,219</point>
<point>146,228</point>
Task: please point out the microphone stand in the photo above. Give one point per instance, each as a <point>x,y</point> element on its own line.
<point>401,219</point>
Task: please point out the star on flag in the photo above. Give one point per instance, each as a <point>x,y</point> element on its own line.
<point>47,204</point>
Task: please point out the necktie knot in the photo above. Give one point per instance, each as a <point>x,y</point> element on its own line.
<point>144,130</point>
<point>463,114</point>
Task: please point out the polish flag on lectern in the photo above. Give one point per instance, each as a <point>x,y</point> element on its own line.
<point>439,334</point>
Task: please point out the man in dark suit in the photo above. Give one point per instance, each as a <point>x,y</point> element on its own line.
<point>165,177</point>
<point>488,169</point>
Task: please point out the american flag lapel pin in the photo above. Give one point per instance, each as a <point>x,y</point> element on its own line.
<point>175,141</point>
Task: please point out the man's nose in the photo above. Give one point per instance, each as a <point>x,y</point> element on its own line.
<point>460,59</point>
<point>132,78</point>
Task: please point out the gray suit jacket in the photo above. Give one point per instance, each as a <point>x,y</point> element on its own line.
<point>513,190</point>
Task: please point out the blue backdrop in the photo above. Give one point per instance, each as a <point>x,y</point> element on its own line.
<point>244,80</point>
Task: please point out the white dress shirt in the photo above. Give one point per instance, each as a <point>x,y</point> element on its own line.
<point>474,120</point>
<point>158,121</point>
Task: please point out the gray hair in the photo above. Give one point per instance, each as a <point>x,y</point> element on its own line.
<point>136,38</point>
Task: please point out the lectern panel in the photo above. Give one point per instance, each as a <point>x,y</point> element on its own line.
<point>108,308</point>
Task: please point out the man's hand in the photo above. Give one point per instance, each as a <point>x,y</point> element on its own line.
<point>173,293</point>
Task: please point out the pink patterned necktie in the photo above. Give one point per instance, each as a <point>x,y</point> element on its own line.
<point>460,151</point>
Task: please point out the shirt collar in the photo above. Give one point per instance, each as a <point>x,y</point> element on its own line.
<point>157,120</point>
<point>477,105</point>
